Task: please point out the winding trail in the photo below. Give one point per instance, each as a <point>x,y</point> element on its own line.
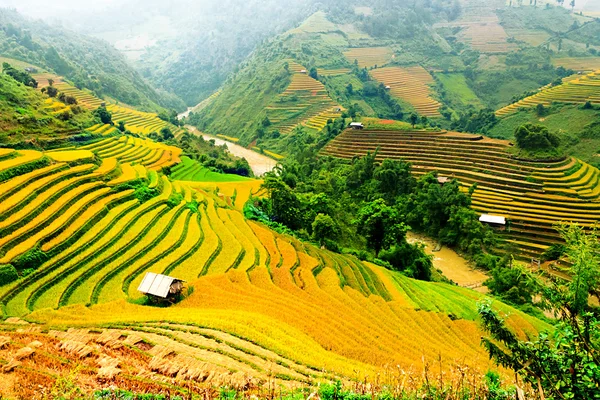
<point>259,163</point>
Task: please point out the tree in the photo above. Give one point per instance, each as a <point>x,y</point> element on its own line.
<point>350,89</point>
<point>414,118</point>
<point>424,121</point>
<point>540,110</point>
<point>121,126</point>
<point>285,207</point>
<point>536,137</point>
<point>103,115</point>
<point>166,134</point>
<point>51,91</point>
<point>563,364</point>
<point>313,73</point>
<point>324,228</point>
<point>514,284</point>
<point>381,225</point>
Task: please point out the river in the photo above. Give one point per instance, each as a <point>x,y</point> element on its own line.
<point>452,265</point>
<point>259,163</point>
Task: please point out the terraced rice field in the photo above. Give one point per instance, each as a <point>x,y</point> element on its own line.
<point>584,64</point>
<point>486,37</point>
<point>264,304</point>
<point>369,57</point>
<point>577,89</point>
<point>304,102</point>
<point>84,98</point>
<point>411,84</point>
<point>533,196</point>
<point>316,23</point>
<point>129,149</point>
<point>135,121</point>
<point>138,121</point>
<point>334,72</point>
<point>531,37</point>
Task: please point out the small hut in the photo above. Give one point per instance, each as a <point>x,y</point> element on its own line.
<point>495,221</point>
<point>161,287</point>
<point>442,180</point>
<point>357,125</point>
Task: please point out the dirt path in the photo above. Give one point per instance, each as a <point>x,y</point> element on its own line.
<point>452,265</point>
<point>259,163</point>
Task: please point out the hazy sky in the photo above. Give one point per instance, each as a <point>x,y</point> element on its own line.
<point>56,8</point>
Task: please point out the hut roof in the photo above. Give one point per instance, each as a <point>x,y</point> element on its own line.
<point>157,284</point>
<point>493,219</point>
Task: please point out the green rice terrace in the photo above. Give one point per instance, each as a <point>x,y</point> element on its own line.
<point>533,196</point>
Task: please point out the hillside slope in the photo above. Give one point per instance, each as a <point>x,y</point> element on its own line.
<point>90,63</point>
<point>87,237</point>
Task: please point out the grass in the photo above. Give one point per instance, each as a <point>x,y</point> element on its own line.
<point>192,171</point>
<point>458,90</point>
<point>566,120</point>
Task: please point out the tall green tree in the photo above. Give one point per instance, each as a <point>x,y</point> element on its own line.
<point>381,225</point>
<point>564,363</point>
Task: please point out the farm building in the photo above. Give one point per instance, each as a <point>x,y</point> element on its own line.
<point>160,286</point>
<point>442,180</point>
<point>495,221</point>
<point>357,125</point>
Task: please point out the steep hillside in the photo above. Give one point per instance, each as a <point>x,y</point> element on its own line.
<point>532,196</point>
<point>28,116</point>
<point>79,229</point>
<point>88,62</point>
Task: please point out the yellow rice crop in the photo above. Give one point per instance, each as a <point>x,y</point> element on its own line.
<point>184,271</point>
<point>13,200</point>
<point>47,212</point>
<point>24,157</point>
<point>21,179</point>
<point>73,254</point>
<point>88,214</point>
<point>113,289</point>
<point>191,268</point>
<point>108,165</point>
<point>128,174</point>
<point>268,241</point>
<point>70,155</point>
<point>142,173</point>
<point>247,261</point>
<point>231,247</point>
<point>83,292</point>
<point>240,222</point>
<point>56,223</point>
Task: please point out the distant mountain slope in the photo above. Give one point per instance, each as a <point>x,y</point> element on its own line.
<point>88,62</point>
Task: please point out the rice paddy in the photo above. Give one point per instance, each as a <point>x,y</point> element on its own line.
<point>411,84</point>
<point>533,196</point>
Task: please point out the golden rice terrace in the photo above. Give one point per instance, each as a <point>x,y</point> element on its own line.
<point>533,196</point>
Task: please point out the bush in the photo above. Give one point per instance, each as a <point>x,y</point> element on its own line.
<point>32,259</point>
<point>8,274</point>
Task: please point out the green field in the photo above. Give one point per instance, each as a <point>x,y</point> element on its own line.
<point>458,91</point>
<point>191,170</point>
<point>568,121</point>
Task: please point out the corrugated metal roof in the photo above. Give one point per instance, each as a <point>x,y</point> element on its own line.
<point>156,284</point>
<point>493,219</point>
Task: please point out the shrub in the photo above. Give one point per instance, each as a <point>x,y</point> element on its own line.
<point>31,259</point>
<point>8,274</point>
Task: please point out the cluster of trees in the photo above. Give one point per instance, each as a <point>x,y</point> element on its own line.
<point>20,76</point>
<point>565,362</point>
<point>217,158</point>
<point>367,206</point>
<point>536,138</point>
